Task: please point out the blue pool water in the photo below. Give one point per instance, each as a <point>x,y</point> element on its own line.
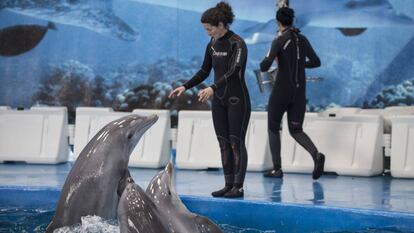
<point>36,220</point>
<point>27,210</point>
<point>296,203</point>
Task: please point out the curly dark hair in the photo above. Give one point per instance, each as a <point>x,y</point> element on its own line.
<point>285,16</point>
<point>222,12</point>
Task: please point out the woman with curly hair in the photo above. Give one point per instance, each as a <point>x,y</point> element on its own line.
<point>226,54</point>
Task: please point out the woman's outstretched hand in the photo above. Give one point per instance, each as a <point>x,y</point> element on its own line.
<point>176,92</point>
<point>205,94</point>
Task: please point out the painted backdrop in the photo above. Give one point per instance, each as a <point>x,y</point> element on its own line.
<point>129,54</point>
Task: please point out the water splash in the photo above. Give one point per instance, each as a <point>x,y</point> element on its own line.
<point>90,224</point>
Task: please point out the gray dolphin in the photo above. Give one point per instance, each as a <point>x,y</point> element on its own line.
<point>138,212</point>
<point>92,185</point>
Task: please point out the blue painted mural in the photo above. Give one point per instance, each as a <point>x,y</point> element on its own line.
<point>130,54</point>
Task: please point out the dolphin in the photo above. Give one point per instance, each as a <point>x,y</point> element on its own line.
<point>92,185</point>
<point>137,212</point>
<point>140,212</point>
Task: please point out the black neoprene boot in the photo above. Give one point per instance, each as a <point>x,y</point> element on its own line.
<point>319,165</point>
<point>235,192</point>
<point>221,192</point>
<point>274,173</point>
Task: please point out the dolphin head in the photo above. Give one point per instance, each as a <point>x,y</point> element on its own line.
<point>160,188</point>
<point>120,136</point>
<point>136,125</point>
<point>175,214</point>
<point>137,212</point>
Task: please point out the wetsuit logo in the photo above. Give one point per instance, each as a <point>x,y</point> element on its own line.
<point>218,54</point>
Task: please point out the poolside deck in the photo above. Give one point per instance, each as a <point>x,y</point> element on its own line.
<point>382,193</point>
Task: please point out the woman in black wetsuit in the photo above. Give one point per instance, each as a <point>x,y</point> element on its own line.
<point>226,53</point>
<point>290,49</point>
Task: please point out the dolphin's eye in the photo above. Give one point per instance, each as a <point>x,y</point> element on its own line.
<point>130,136</point>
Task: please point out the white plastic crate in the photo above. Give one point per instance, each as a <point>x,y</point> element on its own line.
<point>339,111</point>
<point>402,146</point>
<point>352,145</point>
<point>198,148</point>
<point>197,145</point>
<point>257,143</point>
<point>38,135</point>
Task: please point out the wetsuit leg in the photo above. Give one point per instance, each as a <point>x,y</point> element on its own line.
<point>296,114</point>
<point>275,111</point>
<point>220,120</point>
<point>239,110</point>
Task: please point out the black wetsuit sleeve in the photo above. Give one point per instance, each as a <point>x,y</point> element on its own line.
<point>271,55</point>
<point>203,73</point>
<point>239,58</point>
<point>313,59</point>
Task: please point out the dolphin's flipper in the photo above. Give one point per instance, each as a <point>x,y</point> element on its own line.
<point>137,213</point>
